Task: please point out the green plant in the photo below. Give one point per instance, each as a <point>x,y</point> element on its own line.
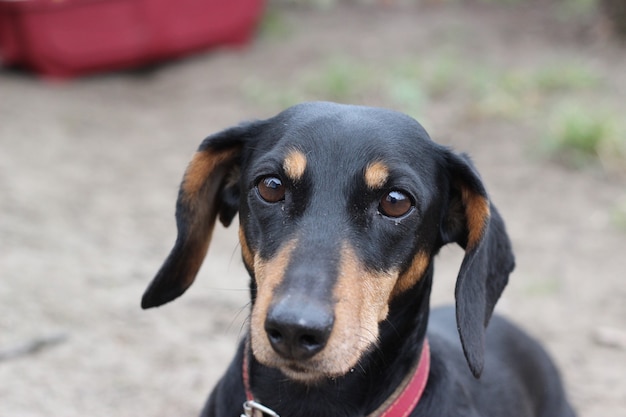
<point>564,76</point>
<point>261,93</point>
<point>498,93</point>
<point>515,93</point>
<point>407,94</point>
<point>580,134</point>
<point>340,80</point>
<point>274,25</point>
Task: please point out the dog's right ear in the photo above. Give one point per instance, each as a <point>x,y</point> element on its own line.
<point>209,189</point>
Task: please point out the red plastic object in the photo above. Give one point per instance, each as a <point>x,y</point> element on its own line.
<point>65,38</point>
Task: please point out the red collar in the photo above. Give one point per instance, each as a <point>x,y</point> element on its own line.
<point>399,404</point>
<point>409,392</point>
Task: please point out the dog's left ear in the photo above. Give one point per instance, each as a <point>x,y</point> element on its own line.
<point>210,188</point>
<point>473,222</point>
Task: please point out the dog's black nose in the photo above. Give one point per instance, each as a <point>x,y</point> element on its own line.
<point>298,329</point>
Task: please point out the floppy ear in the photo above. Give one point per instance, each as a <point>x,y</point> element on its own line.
<point>209,188</point>
<point>473,222</point>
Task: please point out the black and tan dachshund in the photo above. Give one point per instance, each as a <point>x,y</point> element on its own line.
<point>342,210</point>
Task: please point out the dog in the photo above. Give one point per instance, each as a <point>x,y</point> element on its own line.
<point>342,210</point>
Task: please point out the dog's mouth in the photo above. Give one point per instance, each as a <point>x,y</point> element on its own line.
<point>305,373</point>
<point>295,367</point>
<point>328,364</point>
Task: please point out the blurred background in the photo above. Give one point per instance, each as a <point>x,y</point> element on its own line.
<point>95,136</point>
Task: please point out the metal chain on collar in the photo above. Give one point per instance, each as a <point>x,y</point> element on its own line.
<point>254,409</point>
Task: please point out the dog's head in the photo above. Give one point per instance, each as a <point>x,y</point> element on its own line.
<point>341,209</point>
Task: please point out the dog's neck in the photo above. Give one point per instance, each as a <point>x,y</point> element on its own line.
<point>373,379</point>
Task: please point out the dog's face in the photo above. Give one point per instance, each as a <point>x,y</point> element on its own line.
<point>335,218</point>
<point>341,209</point>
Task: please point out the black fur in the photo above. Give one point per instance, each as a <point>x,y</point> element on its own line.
<point>497,372</point>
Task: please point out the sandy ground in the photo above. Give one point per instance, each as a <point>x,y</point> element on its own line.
<point>89,173</point>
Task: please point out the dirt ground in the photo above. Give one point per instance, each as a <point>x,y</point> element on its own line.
<point>89,172</point>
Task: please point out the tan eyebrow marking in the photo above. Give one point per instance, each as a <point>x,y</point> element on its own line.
<point>295,164</point>
<point>376,175</point>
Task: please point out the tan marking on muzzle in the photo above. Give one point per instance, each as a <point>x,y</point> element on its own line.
<point>268,274</point>
<point>376,175</point>
<point>413,274</point>
<point>295,164</point>
<point>362,302</point>
<point>477,213</point>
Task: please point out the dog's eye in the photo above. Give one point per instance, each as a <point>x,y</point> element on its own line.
<point>395,204</point>
<point>271,189</point>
